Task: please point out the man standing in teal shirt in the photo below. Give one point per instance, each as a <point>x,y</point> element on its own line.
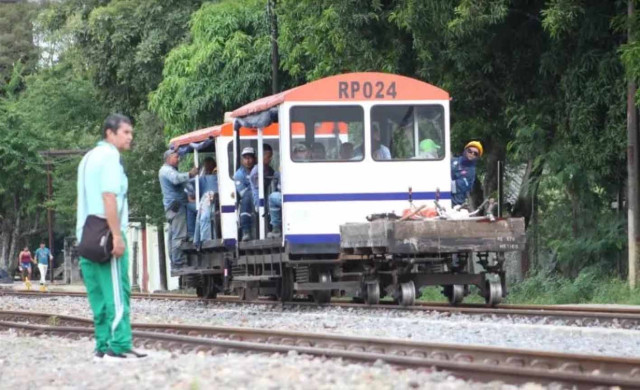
<point>102,191</point>
<point>43,255</point>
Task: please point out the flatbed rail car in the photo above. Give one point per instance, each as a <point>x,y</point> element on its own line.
<point>369,129</point>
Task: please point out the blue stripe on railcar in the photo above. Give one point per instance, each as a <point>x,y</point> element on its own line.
<point>312,238</point>
<point>363,197</point>
<point>228,209</point>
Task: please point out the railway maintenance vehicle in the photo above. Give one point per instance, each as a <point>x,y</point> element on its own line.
<point>353,216</point>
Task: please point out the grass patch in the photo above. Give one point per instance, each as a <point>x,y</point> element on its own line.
<point>434,294</point>
<point>593,285</point>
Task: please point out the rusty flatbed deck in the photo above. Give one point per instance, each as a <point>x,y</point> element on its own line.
<point>433,236</point>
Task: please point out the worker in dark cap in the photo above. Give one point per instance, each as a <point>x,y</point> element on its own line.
<point>243,188</point>
<point>174,199</point>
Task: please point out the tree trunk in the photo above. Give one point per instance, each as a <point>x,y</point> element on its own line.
<point>275,57</point>
<point>15,234</point>
<point>5,238</point>
<point>633,201</point>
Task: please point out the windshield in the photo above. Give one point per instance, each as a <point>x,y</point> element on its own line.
<point>327,133</point>
<point>407,132</point>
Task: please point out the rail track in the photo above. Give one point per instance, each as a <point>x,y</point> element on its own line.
<point>625,318</point>
<point>471,362</point>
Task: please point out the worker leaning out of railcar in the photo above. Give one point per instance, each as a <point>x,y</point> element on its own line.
<point>243,188</point>
<point>268,172</point>
<point>463,172</point>
<point>275,207</point>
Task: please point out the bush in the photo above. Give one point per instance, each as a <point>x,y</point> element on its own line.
<point>593,285</point>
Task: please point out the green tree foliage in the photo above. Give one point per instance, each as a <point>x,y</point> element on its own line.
<point>225,64</point>
<point>64,109</point>
<point>586,142</point>
<point>57,109</point>
<point>123,42</point>
<point>142,167</point>
<point>540,82</point>
<point>322,38</point>
<point>121,46</point>
<point>17,49</point>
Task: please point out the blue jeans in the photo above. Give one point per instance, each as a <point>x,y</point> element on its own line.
<point>246,208</point>
<point>275,209</point>
<point>191,219</point>
<point>203,231</point>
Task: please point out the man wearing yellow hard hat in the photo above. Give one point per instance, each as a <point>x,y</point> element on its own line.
<point>463,172</point>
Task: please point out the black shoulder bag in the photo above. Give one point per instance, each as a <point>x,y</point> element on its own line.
<point>97,241</point>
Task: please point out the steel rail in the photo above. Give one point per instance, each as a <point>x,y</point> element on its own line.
<point>185,297</point>
<point>484,363</point>
<point>580,316</point>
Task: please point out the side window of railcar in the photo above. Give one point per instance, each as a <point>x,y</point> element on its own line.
<point>275,146</point>
<point>407,132</point>
<point>327,133</point>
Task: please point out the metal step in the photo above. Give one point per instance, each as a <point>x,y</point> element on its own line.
<point>252,278</point>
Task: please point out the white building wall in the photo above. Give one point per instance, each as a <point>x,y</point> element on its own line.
<point>134,234</point>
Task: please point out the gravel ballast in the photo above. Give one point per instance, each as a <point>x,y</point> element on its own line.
<point>536,334</point>
<point>56,363</point>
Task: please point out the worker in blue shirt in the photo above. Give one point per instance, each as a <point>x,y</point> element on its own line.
<point>463,172</point>
<point>174,200</point>
<point>243,188</point>
<point>268,172</point>
<point>43,255</point>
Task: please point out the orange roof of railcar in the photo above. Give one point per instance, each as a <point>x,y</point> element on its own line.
<point>196,136</point>
<point>331,89</point>
<point>226,129</point>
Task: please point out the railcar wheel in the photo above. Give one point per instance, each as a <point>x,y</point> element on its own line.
<point>454,293</point>
<point>209,290</point>
<point>323,296</point>
<point>494,293</point>
<point>373,293</point>
<point>200,292</point>
<point>407,293</point>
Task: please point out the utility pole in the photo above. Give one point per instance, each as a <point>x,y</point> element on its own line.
<point>50,215</point>
<point>50,154</point>
<point>275,57</point>
<point>632,167</point>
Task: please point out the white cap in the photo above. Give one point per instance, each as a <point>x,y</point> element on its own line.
<point>248,150</point>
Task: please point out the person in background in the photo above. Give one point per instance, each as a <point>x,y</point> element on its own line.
<point>43,256</point>
<point>25,259</point>
<point>174,200</point>
<point>300,153</point>
<point>243,188</point>
<point>380,151</point>
<point>463,172</point>
<point>318,152</point>
<point>346,151</point>
<point>268,172</point>
<point>428,149</point>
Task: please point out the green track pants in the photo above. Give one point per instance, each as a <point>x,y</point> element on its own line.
<point>109,290</point>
